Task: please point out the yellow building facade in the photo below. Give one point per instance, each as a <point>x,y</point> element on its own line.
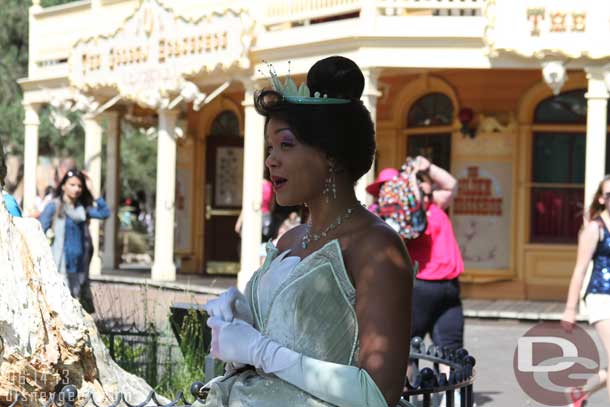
<point>509,95</point>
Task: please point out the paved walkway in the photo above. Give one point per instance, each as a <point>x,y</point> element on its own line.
<point>214,285</point>
<point>493,343</point>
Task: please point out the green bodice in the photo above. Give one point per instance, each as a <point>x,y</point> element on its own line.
<point>311,312</point>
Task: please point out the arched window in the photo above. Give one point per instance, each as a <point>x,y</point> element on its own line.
<point>433,109</point>
<point>226,124</point>
<point>429,128</point>
<point>565,108</point>
<point>558,168</point>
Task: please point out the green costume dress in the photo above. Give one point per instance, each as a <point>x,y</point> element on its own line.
<point>311,312</point>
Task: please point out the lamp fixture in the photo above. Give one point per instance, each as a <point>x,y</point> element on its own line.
<point>555,75</point>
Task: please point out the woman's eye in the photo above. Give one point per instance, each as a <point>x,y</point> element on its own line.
<point>286,145</point>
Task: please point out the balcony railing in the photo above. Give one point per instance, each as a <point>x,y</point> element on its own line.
<point>282,14</point>
<point>285,14</point>
<point>430,7</point>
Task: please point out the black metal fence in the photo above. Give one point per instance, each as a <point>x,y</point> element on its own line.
<point>425,383</point>
<point>144,354</point>
<point>68,397</point>
<point>167,360</point>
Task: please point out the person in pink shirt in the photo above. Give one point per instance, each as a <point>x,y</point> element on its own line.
<point>437,307</point>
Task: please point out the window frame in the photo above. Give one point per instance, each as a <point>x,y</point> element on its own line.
<point>426,126</point>
<point>442,130</point>
<point>216,119</point>
<point>579,130</point>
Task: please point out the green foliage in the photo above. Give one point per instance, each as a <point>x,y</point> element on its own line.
<point>124,352</point>
<point>13,65</point>
<point>14,42</point>
<point>182,375</point>
<point>49,3</point>
<point>52,143</point>
<point>138,163</point>
<point>135,356</point>
<point>149,355</point>
<point>138,153</point>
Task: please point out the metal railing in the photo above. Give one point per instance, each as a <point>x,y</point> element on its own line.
<point>424,384</point>
<point>459,8</point>
<point>303,11</point>
<point>429,381</point>
<point>68,397</point>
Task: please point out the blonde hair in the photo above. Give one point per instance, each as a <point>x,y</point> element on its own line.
<point>595,209</point>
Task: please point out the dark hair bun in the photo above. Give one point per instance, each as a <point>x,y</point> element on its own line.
<point>337,77</point>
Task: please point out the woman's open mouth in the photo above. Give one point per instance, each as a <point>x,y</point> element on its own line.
<point>278,182</point>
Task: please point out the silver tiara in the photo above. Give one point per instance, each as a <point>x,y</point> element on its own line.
<point>299,95</point>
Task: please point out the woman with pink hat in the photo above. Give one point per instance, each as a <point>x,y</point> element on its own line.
<point>385,175</point>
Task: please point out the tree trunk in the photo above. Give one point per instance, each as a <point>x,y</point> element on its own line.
<point>46,339</point>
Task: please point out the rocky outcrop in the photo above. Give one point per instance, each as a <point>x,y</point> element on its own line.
<point>46,339</point>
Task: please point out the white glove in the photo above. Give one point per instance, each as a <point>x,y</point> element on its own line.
<point>229,305</point>
<point>341,385</point>
<point>240,342</point>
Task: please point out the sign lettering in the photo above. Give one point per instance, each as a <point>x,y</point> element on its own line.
<point>150,54</point>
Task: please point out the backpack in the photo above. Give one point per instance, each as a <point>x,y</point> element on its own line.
<point>401,203</point>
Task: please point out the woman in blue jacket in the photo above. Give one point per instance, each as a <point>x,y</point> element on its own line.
<point>65,220</point>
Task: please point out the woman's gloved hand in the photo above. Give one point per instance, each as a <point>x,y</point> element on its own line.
<point>230,305</point>
<point>240,342</point>
<point>340,385</point>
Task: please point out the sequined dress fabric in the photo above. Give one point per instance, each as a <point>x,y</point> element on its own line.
<point>310,309</point>
<point>600,276</point>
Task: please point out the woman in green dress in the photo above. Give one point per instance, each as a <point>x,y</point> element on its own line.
<point>326,320</point>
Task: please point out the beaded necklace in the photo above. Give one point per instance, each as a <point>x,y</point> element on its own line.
<point>308,237</point>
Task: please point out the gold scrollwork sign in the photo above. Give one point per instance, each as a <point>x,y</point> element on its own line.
<point>149,55</point>
<point>541,28</point>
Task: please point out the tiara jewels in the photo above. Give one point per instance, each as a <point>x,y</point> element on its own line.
<point>300,95</point>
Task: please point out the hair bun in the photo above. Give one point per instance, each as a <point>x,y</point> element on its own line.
<point>337,77</point>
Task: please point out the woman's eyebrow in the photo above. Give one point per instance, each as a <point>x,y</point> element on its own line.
<point>282,129</point>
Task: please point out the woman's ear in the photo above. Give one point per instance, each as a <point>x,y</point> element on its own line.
<point>338,168</point>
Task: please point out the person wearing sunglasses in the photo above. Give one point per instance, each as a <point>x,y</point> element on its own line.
<point>593,245</point>
<point>64,220</point>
